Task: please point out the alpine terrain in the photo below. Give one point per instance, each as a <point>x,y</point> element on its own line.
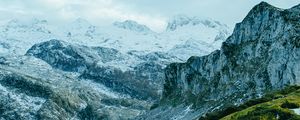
<point>192,70</point>
<point>82,71</point>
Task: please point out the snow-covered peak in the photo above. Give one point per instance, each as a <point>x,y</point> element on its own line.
<point>176,21</point>
<point>80,23</point>
<point>25,28</point>
<point>20,26</point>
<point>183,20</point>
<point>79,29</point>
<point>132,25</point>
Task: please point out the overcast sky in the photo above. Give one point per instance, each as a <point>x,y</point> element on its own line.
<point>153,13</point>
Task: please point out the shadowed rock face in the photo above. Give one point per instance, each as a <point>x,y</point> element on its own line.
<point>69,57</point>
<point>59,55</point>
<point>261,55</point>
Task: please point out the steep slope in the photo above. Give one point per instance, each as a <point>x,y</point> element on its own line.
<point>261,55</point>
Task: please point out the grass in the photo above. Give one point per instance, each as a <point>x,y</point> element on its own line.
<point>275,109</point>
<point>273,105</point>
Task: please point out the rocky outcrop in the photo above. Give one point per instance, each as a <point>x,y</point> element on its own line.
<point>261,55</point>
<point>73,58</point>
<point>58,55</point>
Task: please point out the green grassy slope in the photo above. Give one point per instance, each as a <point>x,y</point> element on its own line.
<point>273,106</point>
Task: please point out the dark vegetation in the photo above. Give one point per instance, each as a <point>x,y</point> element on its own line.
<point>290,105</point>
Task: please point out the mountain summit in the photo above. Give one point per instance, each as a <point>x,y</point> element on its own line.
<point>183,20</point>
<point>132,25</point>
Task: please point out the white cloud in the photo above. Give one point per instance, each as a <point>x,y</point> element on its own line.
<point>152,13</point>
<point>96,11</point>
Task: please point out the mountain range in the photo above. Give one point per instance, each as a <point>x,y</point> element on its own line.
<point>191,70</point>
<point>83,71</point>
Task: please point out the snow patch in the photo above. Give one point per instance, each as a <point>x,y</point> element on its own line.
<point>23,101</point>
<point>181,115</point>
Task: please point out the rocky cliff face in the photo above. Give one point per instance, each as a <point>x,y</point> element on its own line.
<point>262,54</point>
